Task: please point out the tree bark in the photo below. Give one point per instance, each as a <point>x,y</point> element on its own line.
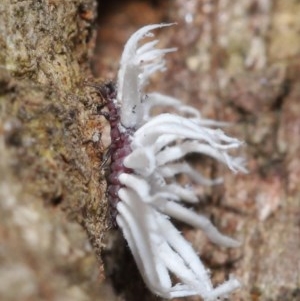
<point>51,182</point>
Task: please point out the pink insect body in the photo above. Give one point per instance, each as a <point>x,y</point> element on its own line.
<point>119,149</point>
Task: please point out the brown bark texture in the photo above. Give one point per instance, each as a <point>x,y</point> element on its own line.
<point>51,185</point>
<point>237,61</point>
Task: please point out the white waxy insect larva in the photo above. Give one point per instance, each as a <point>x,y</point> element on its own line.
<point>147,153</point>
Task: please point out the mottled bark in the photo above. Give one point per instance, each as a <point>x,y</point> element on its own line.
<point>51,182</point>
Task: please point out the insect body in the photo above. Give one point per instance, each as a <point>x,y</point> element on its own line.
<point>147,153</point>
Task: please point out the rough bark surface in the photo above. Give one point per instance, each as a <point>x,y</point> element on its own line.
<point>51,181</point>
<point>238,61</point>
